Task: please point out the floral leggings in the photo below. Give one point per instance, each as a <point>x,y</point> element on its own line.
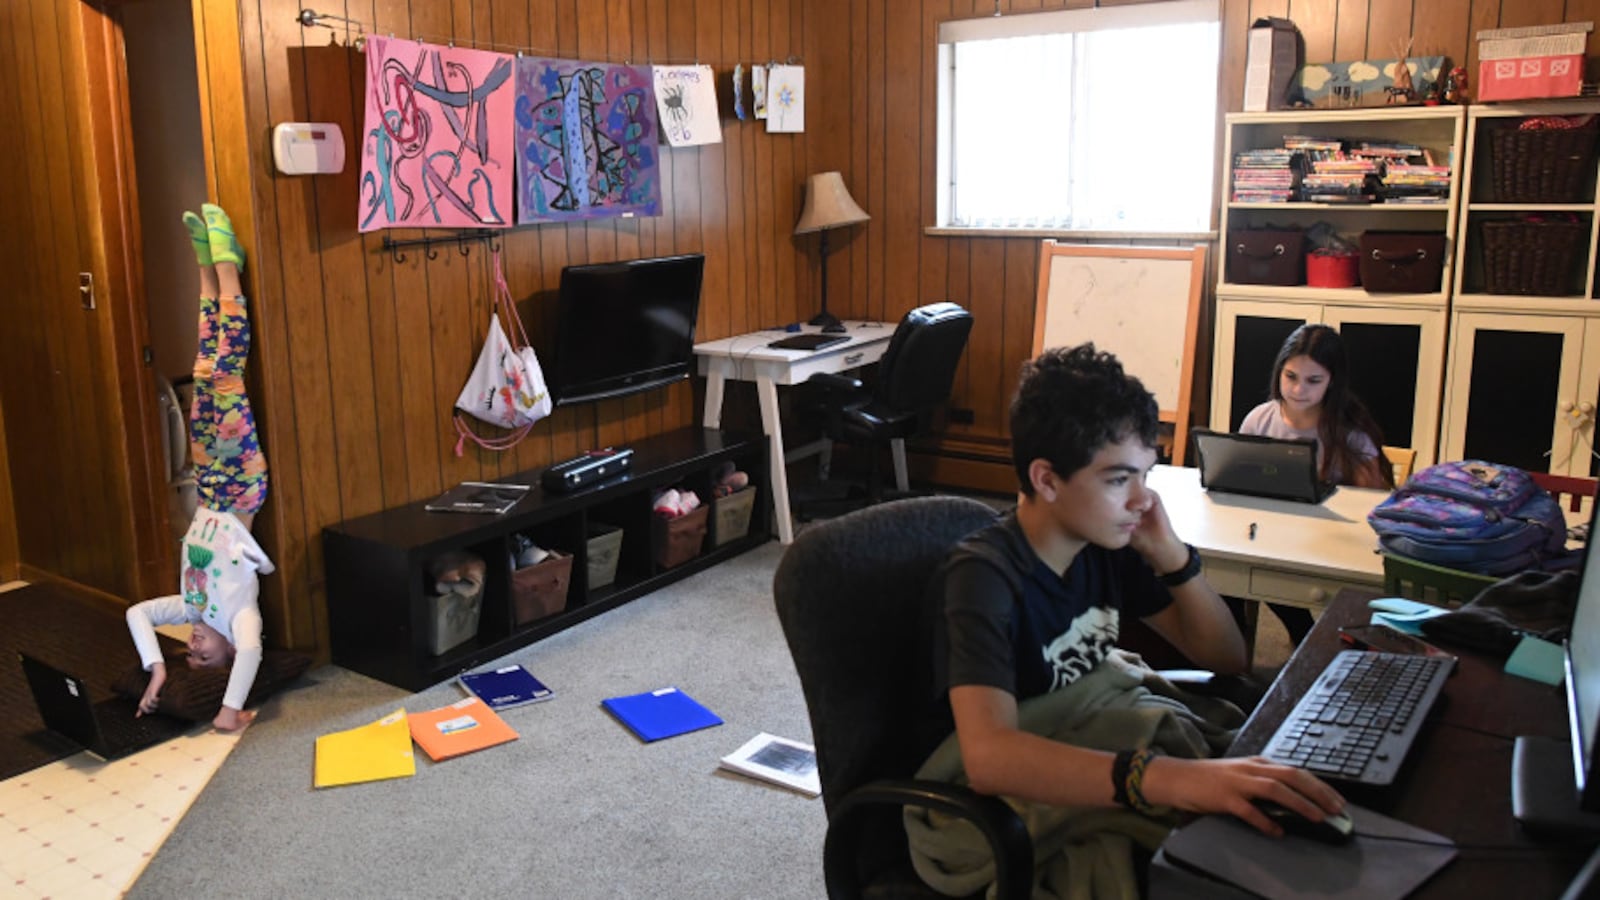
<point>230,469</point>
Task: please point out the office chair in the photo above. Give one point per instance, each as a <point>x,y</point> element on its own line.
<point>913,379</point>
<point>851,595</point>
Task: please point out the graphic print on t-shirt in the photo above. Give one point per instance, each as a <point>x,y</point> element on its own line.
<point>1082,646</point>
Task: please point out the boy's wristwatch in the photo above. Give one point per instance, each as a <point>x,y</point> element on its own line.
<point>1185,574</point>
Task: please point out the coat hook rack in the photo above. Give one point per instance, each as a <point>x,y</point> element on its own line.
<point>463,241</point>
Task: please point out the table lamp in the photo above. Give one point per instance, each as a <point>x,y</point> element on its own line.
<point>828,205</point>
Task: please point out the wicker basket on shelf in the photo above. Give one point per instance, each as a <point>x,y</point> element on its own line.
<point>1542,165</point>
<point>1530,256</point>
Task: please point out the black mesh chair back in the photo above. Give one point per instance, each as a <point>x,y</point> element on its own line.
<point>919,366</point>
<point>852,596</point>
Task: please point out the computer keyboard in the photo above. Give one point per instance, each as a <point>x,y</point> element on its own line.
<point>1361,716</point>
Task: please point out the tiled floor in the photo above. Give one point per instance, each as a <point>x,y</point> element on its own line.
<point>84,829</point>
<point>81,828</point>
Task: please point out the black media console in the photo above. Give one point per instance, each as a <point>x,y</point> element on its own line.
<point>379,592</point>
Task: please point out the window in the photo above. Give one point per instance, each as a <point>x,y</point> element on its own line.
<point>1080,120</point>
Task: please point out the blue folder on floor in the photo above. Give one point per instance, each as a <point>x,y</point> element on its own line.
<point>664,713</point>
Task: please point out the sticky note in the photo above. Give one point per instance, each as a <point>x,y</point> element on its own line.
<point>1538,660</point>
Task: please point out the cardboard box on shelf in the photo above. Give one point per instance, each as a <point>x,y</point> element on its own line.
<point>1271,60</point>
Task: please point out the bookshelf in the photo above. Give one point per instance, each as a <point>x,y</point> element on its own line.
<point>377,565</point>
<point>1523,376</point>
<point>1400,338</point>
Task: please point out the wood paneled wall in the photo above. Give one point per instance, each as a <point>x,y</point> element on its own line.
<point>358,357</point>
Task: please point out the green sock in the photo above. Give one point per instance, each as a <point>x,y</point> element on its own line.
<point>197,236</point>
<point>224,246</point>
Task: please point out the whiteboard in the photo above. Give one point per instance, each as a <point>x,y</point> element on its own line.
<point>1139,303</point>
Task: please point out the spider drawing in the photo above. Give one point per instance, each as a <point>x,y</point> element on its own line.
<point>672,96</point>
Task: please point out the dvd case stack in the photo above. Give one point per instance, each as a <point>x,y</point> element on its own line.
<point>1270,175</point>
<point>1408,173</point>
<point>1336,175</point>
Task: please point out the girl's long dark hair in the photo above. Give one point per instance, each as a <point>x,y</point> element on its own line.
<point>1343,413</point>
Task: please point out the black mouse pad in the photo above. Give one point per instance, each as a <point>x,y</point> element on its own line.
<point>1369,867</point>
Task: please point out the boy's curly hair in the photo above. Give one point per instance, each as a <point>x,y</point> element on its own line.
<point>1070,402</point>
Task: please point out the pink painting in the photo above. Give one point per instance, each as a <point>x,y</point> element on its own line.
<point>436,148</point>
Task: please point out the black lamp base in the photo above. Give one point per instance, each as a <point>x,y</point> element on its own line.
<point>829,322</point>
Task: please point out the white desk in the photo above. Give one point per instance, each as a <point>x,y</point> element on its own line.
<point>747,357</point>
<point>1302,553</point>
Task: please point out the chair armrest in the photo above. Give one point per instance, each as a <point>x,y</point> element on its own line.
<point>1002,828</point>
<point>1243,691</point>
<point>833,381</point>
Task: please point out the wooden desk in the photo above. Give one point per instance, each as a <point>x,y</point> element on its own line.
<point>747,357</point>
<point>1302,554</point>
<point>1457,777</point>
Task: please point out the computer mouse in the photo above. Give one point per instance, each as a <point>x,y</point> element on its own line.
<point>1335,828</point>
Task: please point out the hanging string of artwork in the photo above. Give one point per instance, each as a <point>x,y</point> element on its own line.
<point>462,137</point>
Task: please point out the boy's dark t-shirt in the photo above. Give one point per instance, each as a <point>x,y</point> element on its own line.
<point>1007,621</point>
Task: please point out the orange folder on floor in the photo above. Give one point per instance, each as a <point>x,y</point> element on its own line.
<point>461,727</point>
<point>369,753</point>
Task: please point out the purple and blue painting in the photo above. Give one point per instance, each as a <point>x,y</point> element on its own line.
<point>436,149</point>
<point>586,137</point>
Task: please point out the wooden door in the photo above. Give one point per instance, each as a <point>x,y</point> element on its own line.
<point>79,408</point>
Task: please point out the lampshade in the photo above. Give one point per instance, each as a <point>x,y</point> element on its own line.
<point>828,205</point>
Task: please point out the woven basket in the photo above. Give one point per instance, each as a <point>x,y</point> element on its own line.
<point>1545,165</point>
<point>1537,258</point>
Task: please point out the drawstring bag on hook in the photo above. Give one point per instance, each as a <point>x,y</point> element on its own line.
<point>507,386</point>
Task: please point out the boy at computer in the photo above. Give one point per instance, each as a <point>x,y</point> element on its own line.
<point>1031,605</point>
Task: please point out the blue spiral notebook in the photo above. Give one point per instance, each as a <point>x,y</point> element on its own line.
<point>505,687</point>
<point>664,713</point>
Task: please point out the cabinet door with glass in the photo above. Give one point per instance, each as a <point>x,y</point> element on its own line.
<point>1249,334</point>
<point>1396,359</point>
<point>1522,391</point>
<point>1396,368</point>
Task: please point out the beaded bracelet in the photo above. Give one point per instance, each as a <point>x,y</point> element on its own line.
<point>1119,777</point>
<point>1137,764</point>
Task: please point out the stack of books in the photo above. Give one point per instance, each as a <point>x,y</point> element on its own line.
<point>1269,175</point>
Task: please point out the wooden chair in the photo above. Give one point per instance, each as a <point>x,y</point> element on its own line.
<point>1417,580</point>
<point>1403,459</point>
<point>1569,490</point>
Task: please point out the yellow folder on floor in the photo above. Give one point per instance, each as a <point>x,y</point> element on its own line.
<point>369,753</point>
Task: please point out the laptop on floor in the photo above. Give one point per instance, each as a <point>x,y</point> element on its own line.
<point>108,729</point>
<point>1259,466</point>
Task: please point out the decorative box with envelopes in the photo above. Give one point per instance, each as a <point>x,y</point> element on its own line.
<point>1531,62</point>
<point>1402,262</point>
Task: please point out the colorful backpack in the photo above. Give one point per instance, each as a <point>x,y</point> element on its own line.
<point>1475,516</point>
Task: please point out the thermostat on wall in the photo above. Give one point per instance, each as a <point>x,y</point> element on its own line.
<point>308,148</point>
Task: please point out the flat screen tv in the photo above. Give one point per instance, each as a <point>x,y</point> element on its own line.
<point>624,327</point>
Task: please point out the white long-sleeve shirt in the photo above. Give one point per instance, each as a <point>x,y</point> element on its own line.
<point>221,564</point>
